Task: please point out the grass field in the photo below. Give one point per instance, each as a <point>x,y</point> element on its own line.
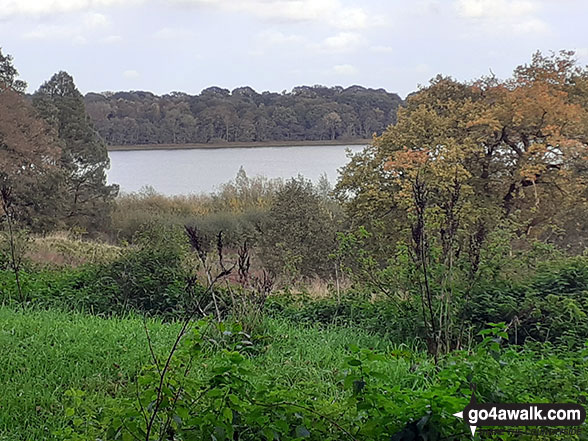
<point>45,353</point>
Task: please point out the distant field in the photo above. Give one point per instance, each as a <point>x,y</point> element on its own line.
<point>225,145</point>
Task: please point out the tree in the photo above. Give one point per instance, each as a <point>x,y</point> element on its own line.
<point>84,156</point>
<point>29,177</point>
<point>332,122</point>
<point>523,142</point>
<point>242,115</point>
<point>300,232</point>
<point>467,159</point>
<point>9,74</point>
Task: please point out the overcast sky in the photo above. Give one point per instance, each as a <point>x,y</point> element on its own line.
<point>188,45</point>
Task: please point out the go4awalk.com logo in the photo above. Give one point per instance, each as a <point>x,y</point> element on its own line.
<point>521,414</point>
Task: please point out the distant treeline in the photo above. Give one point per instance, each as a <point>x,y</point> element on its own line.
<point>242,115</point>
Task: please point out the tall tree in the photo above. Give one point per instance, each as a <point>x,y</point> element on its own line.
<point>522,142</point>
<point>29,176</point>
<point>84,156</point>
<point>467,161</point>
<point>9,74</point>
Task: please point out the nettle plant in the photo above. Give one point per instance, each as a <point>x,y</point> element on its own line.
<point>385,410</point>
<point>207,389</point>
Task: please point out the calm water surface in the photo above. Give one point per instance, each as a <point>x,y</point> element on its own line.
<point>174,172</point>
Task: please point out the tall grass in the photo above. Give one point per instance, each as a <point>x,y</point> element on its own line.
<point>64,249</point>
<point>45,353</point>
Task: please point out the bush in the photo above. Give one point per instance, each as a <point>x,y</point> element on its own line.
<point>64,249</point>
<point>392,394</point>
<point>236,208</point>
<point>550,304</point>
<point>148,278</point>
<point>353,309</point>
<point>299,234</point>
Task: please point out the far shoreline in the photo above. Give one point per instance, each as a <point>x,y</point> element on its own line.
<point>241,145</point>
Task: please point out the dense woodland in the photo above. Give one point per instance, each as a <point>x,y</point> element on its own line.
<point>219,115</point>
<point>449,259</point>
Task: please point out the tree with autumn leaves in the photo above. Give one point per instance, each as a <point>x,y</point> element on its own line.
<point>469,160</point>
<point>53,162</point>
<point>29,174</point>
<point>29,151</point>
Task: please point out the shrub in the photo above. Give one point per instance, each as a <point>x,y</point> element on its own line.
<point>549,304</point>
<point>353,309</point>
<point>299,234</point>
<point>149,278</point>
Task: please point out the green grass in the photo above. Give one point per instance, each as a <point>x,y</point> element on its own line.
<point>45,353</point>
<point>311,357</point>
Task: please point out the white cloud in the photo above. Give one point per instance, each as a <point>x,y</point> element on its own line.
<point>332,12</point>
<point>341,42</point>
<point>46,7</point>
<point>270,38</point>
<point>382,49</point>
<point>500,16</point>
<point>112,39</point>
<point>351,18</point>
<point>273,37</point>
<point>495,8</point>
<point>130,74</point>
<point>344,69</point>
<point>43,32</point>
<point>90,22</point>
<point>581,52</point>
<point>338,43</point>
<point>95,20</point>
<point>531,26</point>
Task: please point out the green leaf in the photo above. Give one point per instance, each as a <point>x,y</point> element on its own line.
<point>269,434</point>
<point>228,415</point>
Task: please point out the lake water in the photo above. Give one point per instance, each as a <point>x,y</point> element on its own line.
<point>174,172</point>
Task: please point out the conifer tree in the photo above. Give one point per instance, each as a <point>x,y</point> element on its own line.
<point>84,156</point>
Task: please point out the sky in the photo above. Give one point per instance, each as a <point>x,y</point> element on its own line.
<point>187,45</point>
